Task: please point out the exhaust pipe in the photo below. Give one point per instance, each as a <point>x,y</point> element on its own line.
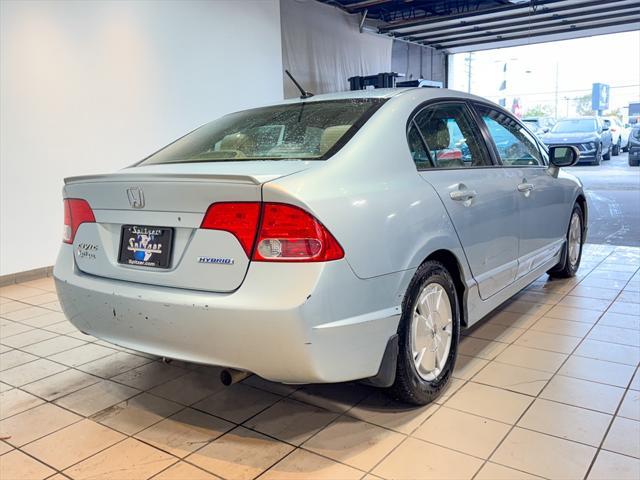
<point>229,376</point>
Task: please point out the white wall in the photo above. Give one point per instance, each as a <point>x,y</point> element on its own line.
<point>322,47</point>
<point>89,87</point>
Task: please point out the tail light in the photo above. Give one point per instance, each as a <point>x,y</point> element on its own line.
<point>240,219</point>
<point>76,212</point>
<point>275,232</point>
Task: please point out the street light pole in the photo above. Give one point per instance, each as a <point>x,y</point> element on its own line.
<point>556,92</point>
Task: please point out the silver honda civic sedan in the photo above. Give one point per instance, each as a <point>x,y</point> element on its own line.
<point>326,239</point>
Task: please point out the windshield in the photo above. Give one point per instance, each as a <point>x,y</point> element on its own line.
<point>577,126</point>
<point>311,131</point>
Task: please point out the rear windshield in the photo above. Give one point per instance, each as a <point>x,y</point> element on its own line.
<point>310,131</point>
<point>579,125</point>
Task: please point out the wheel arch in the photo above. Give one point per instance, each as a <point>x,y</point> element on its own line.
<point>454,267</point>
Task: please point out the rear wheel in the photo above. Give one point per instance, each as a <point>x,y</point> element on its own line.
<point>607,156</point>
<point>573,247</point>
<point>598,157</point>
<point>428,335</point>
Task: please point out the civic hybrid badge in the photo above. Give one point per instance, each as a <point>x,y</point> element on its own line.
<point>216,260</point>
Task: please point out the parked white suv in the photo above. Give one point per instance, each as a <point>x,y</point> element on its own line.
<point>616,128</point>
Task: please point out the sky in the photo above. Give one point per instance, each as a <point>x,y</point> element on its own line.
<point>531,72</point>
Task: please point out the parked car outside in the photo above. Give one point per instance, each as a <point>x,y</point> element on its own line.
<point>616,128</point>
<point>322,240</point>
<point>589,134</point>
<point>539,125</point>
<point>634,146</point>
<point>624,136</point>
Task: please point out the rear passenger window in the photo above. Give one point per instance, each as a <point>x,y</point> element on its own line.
<point>516,146</point>
<point>417,148</point>
<point>449,136</point>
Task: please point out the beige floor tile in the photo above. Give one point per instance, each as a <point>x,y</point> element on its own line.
<point>446,427</point>
<point>30,372</point>
<point>336,397</point>
<point>381,410</point>
<point>303,465</point>
<point>594,292</point>
<point>624,336</point>
<point>511,377</point>
<point>15,401</point>
<point>113,365</point>
<point>60,384</point>
<point>29,337</point>
<point>490,402</point>
<point>574,314</point>
<point>612,352</point>
<point>467,367</point>
<point>149,375</point>
<point>53,306</point>
<point>64,328</point>
<point>629,296</point>
<point>539,296</point>
<point>184,432</point>
<point>291,421</point>
<point>73,444</point>
<point>127,460</point>
<point>79,355</point>
<point>548,341</point>
<point>14,358</point>
<point>137,413</point>
<point>4,448</point>
<point>26,313</point>
<point>625,308</point>
<point>53,346</point>
<point>18,292</point>
<point>544,455</point>
<point>237,403</point>
<point>511,319</point>
<point>566,421</point>
<point>273,387</point>
<point>41,299</point>
<point>9,328</point>
<point>611,466</point>
<point>532,358</point>
<point>35,423</point>
<point>47,284</point>
<point>16,465</point>
<point>635,381</point>
<point>597,370</point>
<point>495,332</point>
<point>525,308</point>
<point>562,327</point>
<point>477,347</point>
<point>418,460</point>
<point>582,393</point>
<point>630,407</point>
<point>620,320</point>
<point>241,454</point>
<point>623,437</point>
<point>189,389</point>
<point>184,471</point>
<point>44,320</point>
<point>8,306</point>
<point>4,387</point>
<point>584,303</point>
<point>447,392</point>
<point>96,397</point>
<point>353,442</point>
<point>493,471</point>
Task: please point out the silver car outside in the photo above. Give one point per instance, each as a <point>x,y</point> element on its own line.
<point>493,228</point>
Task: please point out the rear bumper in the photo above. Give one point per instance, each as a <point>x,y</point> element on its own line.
<point>295,323</point>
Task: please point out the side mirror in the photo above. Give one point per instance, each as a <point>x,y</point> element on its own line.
<point>564,156</point>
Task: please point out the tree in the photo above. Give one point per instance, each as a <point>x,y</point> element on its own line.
<point>583,105</point>
<point>614,113</point>
<point>539,111</point>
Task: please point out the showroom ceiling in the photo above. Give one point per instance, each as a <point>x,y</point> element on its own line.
<point>467,25</point>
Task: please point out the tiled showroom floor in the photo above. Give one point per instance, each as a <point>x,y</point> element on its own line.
<point>548,386</point>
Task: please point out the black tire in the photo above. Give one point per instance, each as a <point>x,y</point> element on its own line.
<point>634,163</point>
<point>597,160</point>
<point>607,156</point>
<point>409,386</point>
<point>616,148</point>
<point>565,269</point>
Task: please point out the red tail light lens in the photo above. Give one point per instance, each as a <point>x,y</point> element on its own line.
<point>240,219</point>
<point>76,212</point>
<point>290,234</point>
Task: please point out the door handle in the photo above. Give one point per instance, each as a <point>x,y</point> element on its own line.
<point>525,187</point>
<point>462,195</point>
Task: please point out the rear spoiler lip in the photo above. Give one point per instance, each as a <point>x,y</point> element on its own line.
<point>170,177</point>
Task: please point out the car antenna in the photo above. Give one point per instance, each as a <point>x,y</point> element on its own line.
<point>304,93</point>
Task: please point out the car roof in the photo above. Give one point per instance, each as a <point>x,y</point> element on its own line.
<point>386,93</point>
